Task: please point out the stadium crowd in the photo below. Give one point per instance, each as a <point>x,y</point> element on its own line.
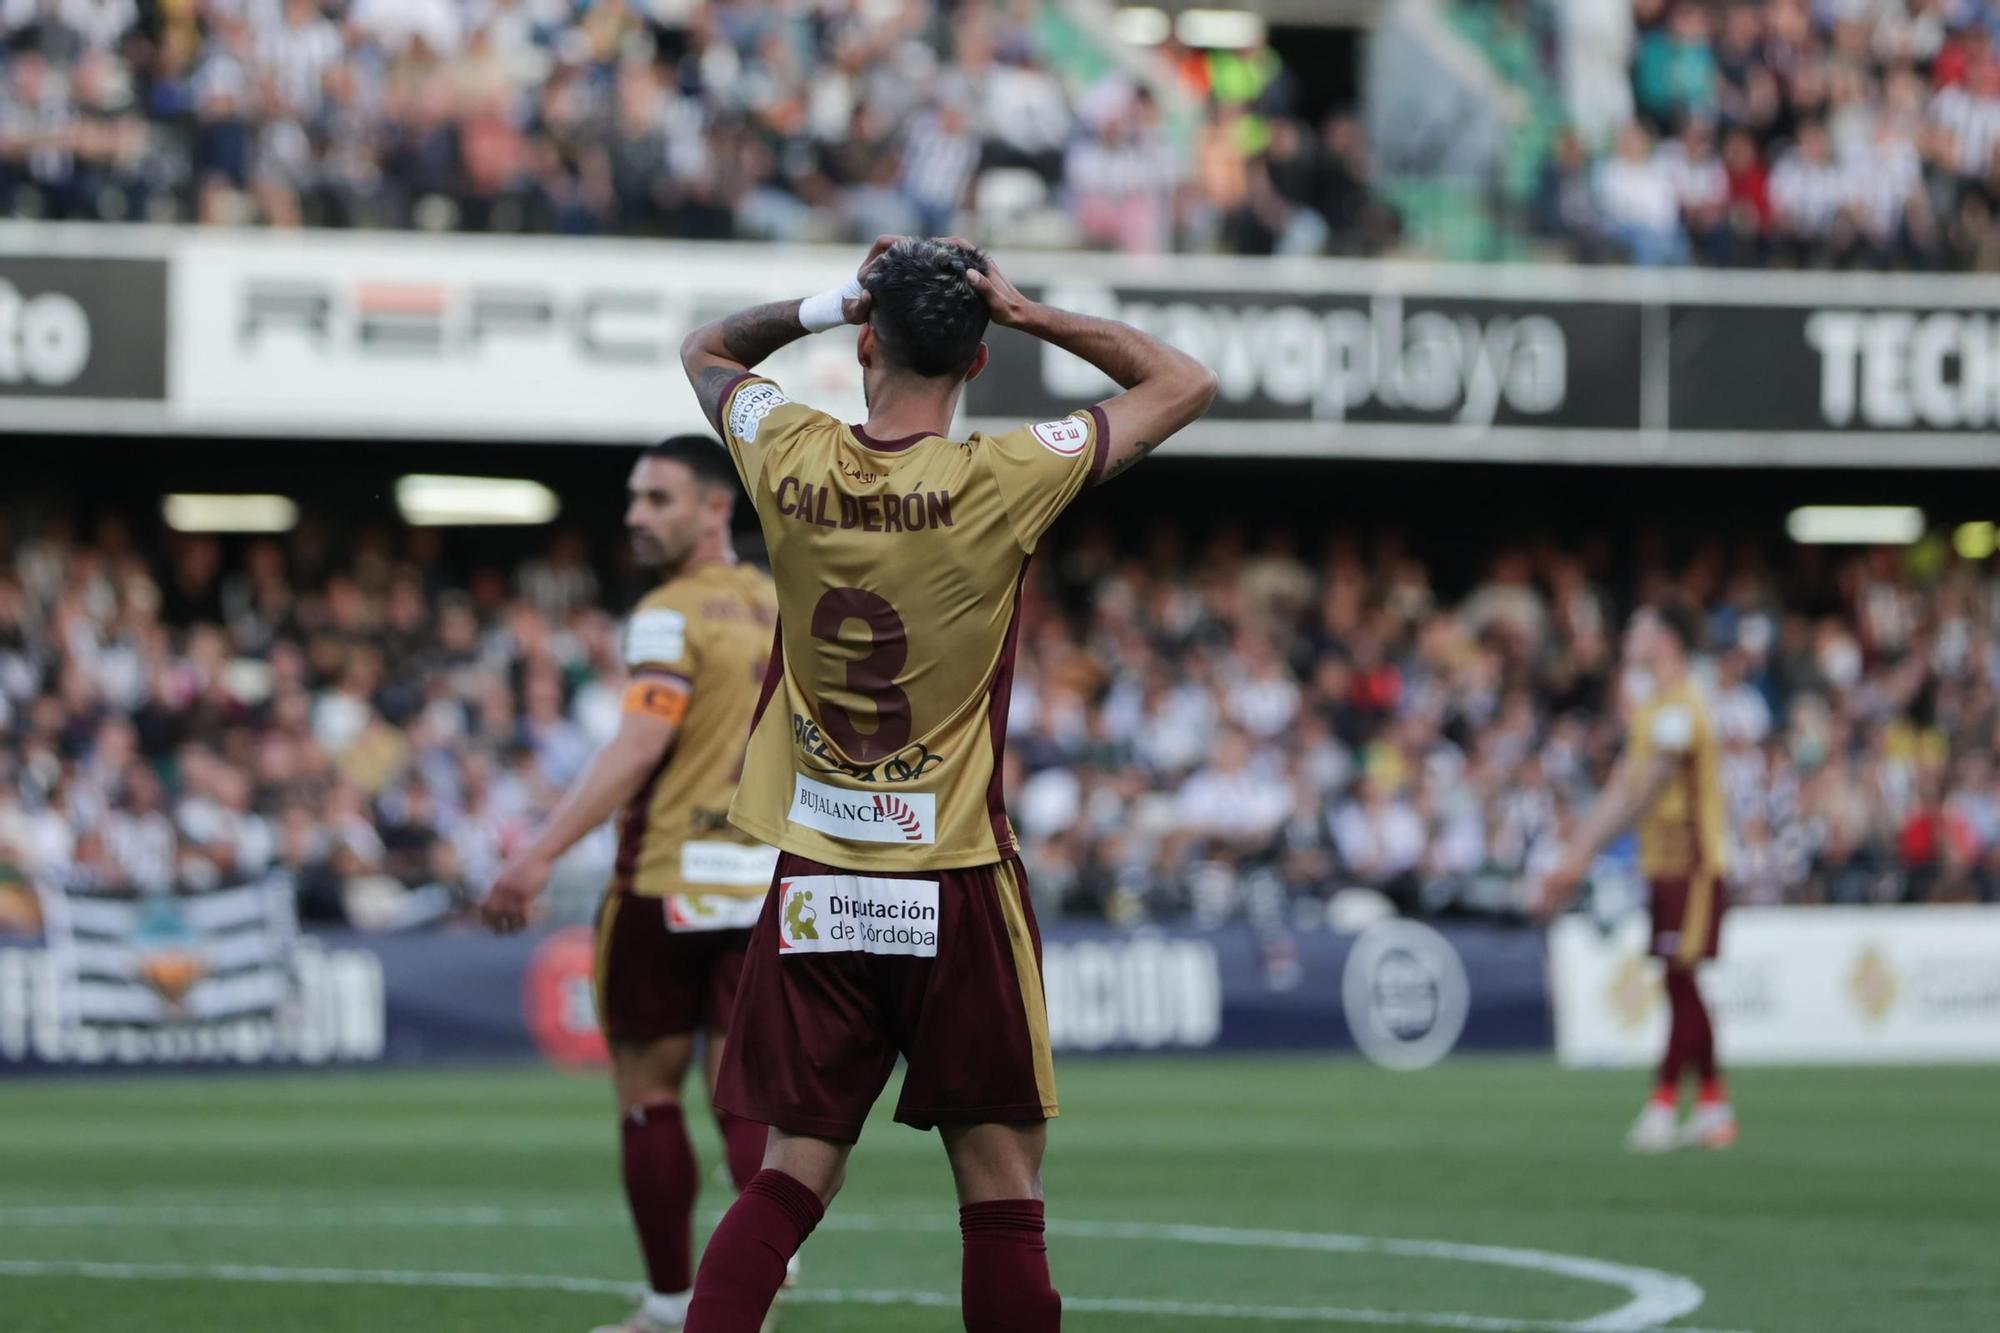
<point>1835,133</point>
<point>783,120</point>
<point>1220,728</point>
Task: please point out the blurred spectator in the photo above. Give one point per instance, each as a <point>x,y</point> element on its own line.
<point>1637,201</point>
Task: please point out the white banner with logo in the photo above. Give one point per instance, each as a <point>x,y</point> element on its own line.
<point>1793,986</point>
<point>474,338</point>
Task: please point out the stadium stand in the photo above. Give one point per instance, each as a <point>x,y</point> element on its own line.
<point>1749,134</point>
<point>1218,730</point>
<point>781,122</point>
<point>1782,134</point>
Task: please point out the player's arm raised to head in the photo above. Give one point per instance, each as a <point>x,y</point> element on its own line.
<point>720,352</point>
<point>1166,390</point>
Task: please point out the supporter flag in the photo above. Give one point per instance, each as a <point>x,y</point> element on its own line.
<point>172,958</point>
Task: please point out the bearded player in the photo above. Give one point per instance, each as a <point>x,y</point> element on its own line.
<point>899,923</point>
<point>1669,782</point>
<point>686,886</point>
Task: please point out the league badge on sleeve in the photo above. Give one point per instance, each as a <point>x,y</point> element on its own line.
<point>1065,438</point>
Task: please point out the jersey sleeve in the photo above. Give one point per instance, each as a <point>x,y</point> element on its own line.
<point>661,639</point>
<point>1041,468</point>
<point>757,421</point>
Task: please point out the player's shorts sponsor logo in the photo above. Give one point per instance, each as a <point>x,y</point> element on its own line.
<point>858,914</point>
<point>753,402</point>
<point>728,863</point>
<point>1406,994</point>
<point>1065,438</point>
<point>860,816</point>
<point>696,913</point>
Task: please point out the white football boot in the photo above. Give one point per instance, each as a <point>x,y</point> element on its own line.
<point>1711,1125</point>
<point>1656,1130</point>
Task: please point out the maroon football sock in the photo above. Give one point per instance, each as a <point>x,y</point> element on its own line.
<point>661,1179</point>
<point>1006,1286</point>
<point>744,1264</point>
<point>1691,1037</point>
<point>743,1143</point>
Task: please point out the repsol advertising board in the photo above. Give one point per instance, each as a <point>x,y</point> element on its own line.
<point>1346,356</point>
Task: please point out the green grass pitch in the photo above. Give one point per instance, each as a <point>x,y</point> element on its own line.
<point>1192,1196</point>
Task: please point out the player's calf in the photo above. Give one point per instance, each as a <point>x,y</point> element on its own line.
<point>1005,1286</point>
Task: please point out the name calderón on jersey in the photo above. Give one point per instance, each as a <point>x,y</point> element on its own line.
<point>899,567</point>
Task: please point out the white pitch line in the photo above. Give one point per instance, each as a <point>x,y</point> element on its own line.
<point>1655,1297</point>
<point>384,1277</point>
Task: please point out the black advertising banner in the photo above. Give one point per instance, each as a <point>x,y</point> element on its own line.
<point>1331,357</point>
<point>83,328</point>
<point>1812,368</point>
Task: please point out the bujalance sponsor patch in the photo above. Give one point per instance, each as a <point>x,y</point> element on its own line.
<point>864,816</point>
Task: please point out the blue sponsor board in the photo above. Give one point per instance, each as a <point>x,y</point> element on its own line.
<point>1402,993</point>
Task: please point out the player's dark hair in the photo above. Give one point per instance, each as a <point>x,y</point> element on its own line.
<point>927,317</point>
<point>702,455</point>
<point>1682,620</point>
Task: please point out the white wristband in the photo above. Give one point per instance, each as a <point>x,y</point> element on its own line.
<point>827,310</point>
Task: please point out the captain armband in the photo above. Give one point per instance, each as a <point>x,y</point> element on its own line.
<point>663,700</point>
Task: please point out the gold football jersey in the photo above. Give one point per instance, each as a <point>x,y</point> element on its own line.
<point>1681,833</point>
<point>899,566</point>
<point>708,631</point>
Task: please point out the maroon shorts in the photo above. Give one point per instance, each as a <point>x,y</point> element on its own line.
<point>1687,916</point>
<point>652,982</point>
<point>847,971</point>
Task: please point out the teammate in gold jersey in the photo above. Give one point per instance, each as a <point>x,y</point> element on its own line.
<point>686,886</point>
<point>899,923</point>
<point>1670,783</point>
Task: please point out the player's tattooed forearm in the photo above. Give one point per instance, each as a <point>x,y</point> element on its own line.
<point>711,386</point>
<point>1123,465</point>
<point>751,335</point>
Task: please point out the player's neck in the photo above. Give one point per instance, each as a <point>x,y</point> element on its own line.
<point>899,412</point>
<point>702,557</point>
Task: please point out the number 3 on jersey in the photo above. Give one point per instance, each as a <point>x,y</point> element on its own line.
<point>873,675</point>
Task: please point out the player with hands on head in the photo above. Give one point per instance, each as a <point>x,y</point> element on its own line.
<point>899,923</point>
